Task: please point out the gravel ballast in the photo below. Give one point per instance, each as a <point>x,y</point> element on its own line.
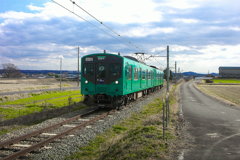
<point>68,145</point>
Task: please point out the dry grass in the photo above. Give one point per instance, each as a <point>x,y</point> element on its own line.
<point>11,85</point>
<point>227,92</point>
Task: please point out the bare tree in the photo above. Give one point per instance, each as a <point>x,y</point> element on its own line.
<point>11,71</point>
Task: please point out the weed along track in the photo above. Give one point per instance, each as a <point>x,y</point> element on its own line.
<point>20,146</point>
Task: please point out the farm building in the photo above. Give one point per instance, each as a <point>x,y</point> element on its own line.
<point>229,72</point>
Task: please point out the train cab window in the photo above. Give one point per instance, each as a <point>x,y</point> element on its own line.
<point>88,69</point>
<point>135,73</point>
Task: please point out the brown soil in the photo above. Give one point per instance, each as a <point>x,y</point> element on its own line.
<point>230,93</point>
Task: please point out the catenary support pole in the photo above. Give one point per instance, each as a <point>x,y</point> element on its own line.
<point>167,95</point>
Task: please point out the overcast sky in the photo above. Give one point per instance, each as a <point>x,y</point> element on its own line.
<point>202,34</point>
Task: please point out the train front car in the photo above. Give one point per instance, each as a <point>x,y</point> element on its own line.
<point>101,79</point>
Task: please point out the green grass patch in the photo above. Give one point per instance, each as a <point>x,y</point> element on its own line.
<point>226,80</point>
<point>40,97</point>
<point>38,103</point>
<point>137,138</point>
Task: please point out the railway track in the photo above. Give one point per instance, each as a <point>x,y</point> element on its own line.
<point>20,146</point>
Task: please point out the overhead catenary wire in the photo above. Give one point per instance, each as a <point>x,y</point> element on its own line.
<point>128,43</point>
<point>107,27</point>
<point>83,18</point>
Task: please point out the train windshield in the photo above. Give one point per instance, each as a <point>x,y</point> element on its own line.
<point>88,69</point>
<point>101,73</point>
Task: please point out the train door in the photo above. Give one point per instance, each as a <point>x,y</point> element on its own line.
<point>128,75</point>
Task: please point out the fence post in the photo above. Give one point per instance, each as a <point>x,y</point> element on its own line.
<point>163,118</point>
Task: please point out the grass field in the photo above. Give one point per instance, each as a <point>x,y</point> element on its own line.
<point>226,81</point>
<point>227,92</point>
<point>10,85</point>
<point>38,102</point>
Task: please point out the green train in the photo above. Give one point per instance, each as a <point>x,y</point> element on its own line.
<point>111,80</point>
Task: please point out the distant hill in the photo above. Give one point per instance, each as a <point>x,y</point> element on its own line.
<point>197,74</point>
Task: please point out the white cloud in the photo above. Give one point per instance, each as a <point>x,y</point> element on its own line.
<point>211,57</point>
<point>185,20</point>
<point>235,28</point>
<point>147,31</point>
<point>45,56</point>
<point>180,4</point>
<point>123,12</point>
<point>45,32</point>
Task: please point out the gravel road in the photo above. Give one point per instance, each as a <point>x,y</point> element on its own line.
<point>214,126</point>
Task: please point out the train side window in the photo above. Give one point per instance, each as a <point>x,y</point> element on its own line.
<point>126,70</point>
<point>129,72</point>
<point>143,74</point>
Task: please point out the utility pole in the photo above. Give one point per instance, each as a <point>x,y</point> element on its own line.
<point>167,97</point>
<point>168,72</point>
<point>166,110</point>
<point>78,77</point>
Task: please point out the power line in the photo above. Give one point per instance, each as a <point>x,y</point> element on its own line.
<point>82,18</point>
<point>107,27</point>
<point>74,3</point>
<point>128,43</point>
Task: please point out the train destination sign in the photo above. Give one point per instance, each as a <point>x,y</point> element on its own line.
<point>89,59</point>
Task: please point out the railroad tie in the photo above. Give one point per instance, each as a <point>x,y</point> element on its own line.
<point>21,145</point>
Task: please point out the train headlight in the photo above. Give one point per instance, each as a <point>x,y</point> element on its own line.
<point>86,81</point>
<point>116,82</point>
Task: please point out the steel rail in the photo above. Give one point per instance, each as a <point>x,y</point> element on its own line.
<point>34,133</point>
<point>38,145</point>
